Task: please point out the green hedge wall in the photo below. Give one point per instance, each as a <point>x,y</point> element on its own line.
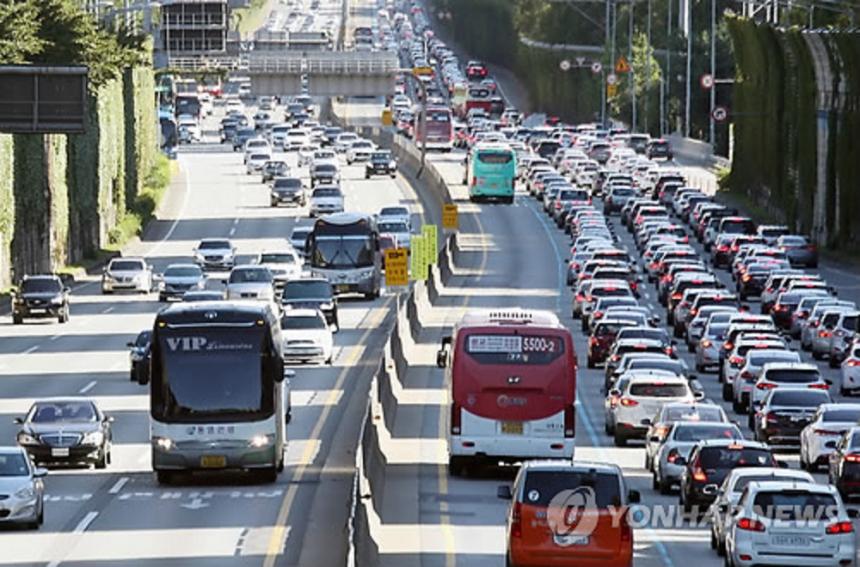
<point>7,206</point>
<point>97,172</point>
<point>140,121</point>
<point>847,165</point>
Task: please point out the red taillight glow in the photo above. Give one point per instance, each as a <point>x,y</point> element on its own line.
<point>750,525</point>
<point>765,386</point>
<point>852,362</point>
<point>628,403</point>
<point>736,360</point>
<point>455,418</point>
<point>839,528</point>
<point>706,343</point>
<point>852,458</point>
<point>569,422</point>
<point>819,386</point>
<point>516,520</point>
<point>699,475</point>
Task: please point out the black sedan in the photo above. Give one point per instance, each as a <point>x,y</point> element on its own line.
<point>139,356</point>
<point>380,163</point>
<point>67,431</point>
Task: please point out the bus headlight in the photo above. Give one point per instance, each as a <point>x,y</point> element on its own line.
<point>163,443</point>
<point>260,441</point>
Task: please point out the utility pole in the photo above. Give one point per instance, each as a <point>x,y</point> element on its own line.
<point>667,84</point>
<point>689,14</point>
<point>632,73</point>
<point>712,134</point>
<point>602,75</point>
<point>648,71</point>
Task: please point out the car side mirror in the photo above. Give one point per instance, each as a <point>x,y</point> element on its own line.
<point>40,472</point>
<point>828,381</point>
<point>614,392</point>
<point>442,358</point>
<point>110,419</point>
<point>646,422</point>
<point>693,378</point>
<point>699,395</point>
<point>504,492</point>
<point>782,464</point>
<point>654,439</point>
<point>18,420</point>
<point>633,497</point>
<point>67,290</point>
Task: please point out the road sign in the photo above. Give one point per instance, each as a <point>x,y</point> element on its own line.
<point>564,65</point>
<point>431,243</point>
<point>422,71</point>
<point>611,90</point>
<point>396,267</point>
<point>719,114</point>
<point>622,66</point>
<point>707,81</point>
<point>611,79</point>
<point>43,100</point>
<point>450,217</point>
<point>596,67</point>
<point>580,61</point>
<point>418,258</point>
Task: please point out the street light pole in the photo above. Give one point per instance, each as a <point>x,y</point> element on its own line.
<point>712,122</point>
<point>602,75</point>
<point>648,71</point>
<point>632,75</point>
<point>689,14</point>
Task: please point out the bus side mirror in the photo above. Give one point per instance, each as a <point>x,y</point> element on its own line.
<point>442,353</point>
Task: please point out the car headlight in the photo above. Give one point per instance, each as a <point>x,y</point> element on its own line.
<point>93,438</point>
<point>25,493</point>
<point>260,441</point>
<point>200,284</point>
<point>27,439</point>
<point>163,443</point>
<point>198,256</point>
<point>57,300</point>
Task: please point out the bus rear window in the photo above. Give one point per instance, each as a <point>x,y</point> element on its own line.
<point>514,349</point>
<point>495,157</point>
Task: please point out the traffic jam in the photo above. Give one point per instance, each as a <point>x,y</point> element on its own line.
<point>715,342</point>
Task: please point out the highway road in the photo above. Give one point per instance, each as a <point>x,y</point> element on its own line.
<point>119,516</point>
<point>516,261</point>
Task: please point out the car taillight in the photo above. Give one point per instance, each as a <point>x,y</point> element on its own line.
<point>699,475</point>
<point>747,375</point>
<point>839,528</point>
<point>455,418</point>
<point>819,386</point>
<point>676,296</point>
<point>736,360</point>
<point>628,403</point>
<point>580,297</point>
<point>516,520</point>
<point>626,530</point>
<point>728,346</point>
<point>772,417</point>
<point>569,422</point>
<point>706,343</point>
<point>597,315</point>
<point>722,248</point>
<point>826,432</point>
<point>750,525</point>
<point>780,308</point>
<point>474,181</point>
<point>673,456</point>
<point>746,277</point>
<point>693,312</point>
<point>852,457</point>
<point>765,386</point>
<point>593,341</point>
<point>824,333</point>
<point>852,362</point>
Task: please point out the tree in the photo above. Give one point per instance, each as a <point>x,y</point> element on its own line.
<point>19,38</point>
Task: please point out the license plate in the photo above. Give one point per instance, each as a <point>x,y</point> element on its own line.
<point>790,540</point>
<point>569,540</point>
<point>60,452</point>
<point>213,461</point>
<point>512,427</point>
<point>342,288</point>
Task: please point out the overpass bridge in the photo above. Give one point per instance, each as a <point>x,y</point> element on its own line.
<point>328,73</point>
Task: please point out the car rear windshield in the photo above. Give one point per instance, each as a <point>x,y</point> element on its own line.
<point>698,433</point>
<point>721,458</point>
<point>541,487</point>
<point>693,413</point>
<point>842,414</point>
<point>302,322</point>
<point>658,390</point>
<point>794,376</point>
<point>327,192</point>
<point>800,398</point>
<point>793,504</point>
<point>298,289</point>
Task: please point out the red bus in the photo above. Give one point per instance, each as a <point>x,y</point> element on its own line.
<point>440,129</point>
<point>477,97</point>
<point>512,376</point>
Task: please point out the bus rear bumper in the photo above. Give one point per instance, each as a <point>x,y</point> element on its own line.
<point>510,450</point>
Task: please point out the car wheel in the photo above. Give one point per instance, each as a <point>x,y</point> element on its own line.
<point>107,291</point>
<point>655,484</point>
<point>456,466</point>
<point>691,347</point>
<point>367,176</point>
<point>713,539</point>
<point>619,439</point>
<point>590,363</point>
<point>817,355</point>
<point>165,477</point>
<point>17,319</point>
<point>737,407</point>
<point>64,315</point>
<point>665,487</point>
<point>727,392</point>
<point>102,462</point>
<point>268,475</point>
<point>700,368</point>
<point>832,362</point>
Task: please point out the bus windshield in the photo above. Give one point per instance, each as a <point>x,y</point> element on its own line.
<point>212,375</point>
<point>343,252</point>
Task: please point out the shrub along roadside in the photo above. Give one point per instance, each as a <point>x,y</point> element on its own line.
<point>144,206</point>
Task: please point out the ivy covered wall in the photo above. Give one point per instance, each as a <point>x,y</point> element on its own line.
<point>7,207</point>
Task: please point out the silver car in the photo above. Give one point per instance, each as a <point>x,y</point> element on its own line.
<point>251,282</point>
<point>178,279</point>
<point>22,488</point>
<point>679,441</point>
<point>132,274</point>
<point>326,200</point>
<point>661,424</point>
<point>709,346</point>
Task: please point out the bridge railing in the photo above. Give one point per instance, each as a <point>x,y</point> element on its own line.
<point>323,63</point>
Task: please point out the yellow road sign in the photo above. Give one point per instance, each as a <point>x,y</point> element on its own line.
<point>622,66</point>
<point>431,244</point>
<point>418,257</point>
<point>611,90</point>
<point>396,267</point>
<point>450,218</point>
<point>422,71</point>
<point>387,118</point>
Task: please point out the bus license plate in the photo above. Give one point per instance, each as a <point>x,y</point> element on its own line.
<point>213,461</point>
<point>512,427</point>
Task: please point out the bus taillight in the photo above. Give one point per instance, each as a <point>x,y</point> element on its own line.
<point>455,419</point>
<point>569,422</point>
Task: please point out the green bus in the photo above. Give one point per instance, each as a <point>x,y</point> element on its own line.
<point>491,169</point>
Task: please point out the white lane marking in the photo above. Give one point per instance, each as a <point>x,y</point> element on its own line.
<point>32,349</point>
<point>85,522</point>
<point>236,221</point>
<point>118,486</point>
<point>184,164</point>
<point>232,231</point>
<point>108,309</point>
<point>88,387</point>
<point>55,337</point>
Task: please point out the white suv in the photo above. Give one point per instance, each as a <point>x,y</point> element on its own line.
<point>642,397</point>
